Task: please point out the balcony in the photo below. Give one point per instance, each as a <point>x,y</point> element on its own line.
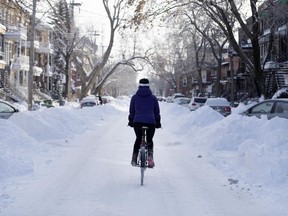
<point>20,63</point>
<point>36,44</point>
<point>46,48</point>
<point>43,27</point>
<point>16,34</point>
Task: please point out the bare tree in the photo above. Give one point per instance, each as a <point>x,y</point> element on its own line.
<point>224,14</point>
<point>216,39</point>
<point>114,14</point>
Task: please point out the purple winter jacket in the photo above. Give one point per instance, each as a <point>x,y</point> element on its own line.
<point>144,107</point>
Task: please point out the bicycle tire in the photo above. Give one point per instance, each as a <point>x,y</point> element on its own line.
<point>142,157</point>
<point>142,175</point>
<point>142,163</point>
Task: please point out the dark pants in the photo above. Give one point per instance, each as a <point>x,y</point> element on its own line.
<point>149,135</point>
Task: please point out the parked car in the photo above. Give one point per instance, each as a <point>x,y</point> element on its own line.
<point>221,105</point>
<point>161,98</point>
<point>7,110</point>
<point>184,101</point>
<point>270,108</point>
<point>169,99</point>
<point>89,101</point>
<point>173,97</point>
<point>196,102</point>
<point>107,99</point>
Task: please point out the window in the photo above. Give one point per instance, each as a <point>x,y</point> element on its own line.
<point>4,108</point>
<point>281,107</point>
<point>184,81</point>
<point>263,108</point>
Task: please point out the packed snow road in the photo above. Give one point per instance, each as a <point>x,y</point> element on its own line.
<point>92,176</point>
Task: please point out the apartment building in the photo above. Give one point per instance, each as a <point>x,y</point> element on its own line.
<point>273,41</point>
<point>14,54</point>
<point>234,74</point>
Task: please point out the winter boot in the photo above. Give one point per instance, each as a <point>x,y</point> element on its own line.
<point>134,159</point>
<point>151,163</point>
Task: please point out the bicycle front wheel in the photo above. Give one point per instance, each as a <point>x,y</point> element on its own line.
<point>142,175</point>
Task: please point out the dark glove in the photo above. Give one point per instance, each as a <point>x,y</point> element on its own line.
<point>158,124</point>
<point>130,123</point>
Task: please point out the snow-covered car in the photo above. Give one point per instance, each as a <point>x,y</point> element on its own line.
<point>107,99</point>
<point>270,108</point>
<point>169,99</point>
<point>196,102</point>
<point>89,101</point>
<point>220,105</point>
<point>161,98</point>
<point>184,101</point>
<point>7,110</point>
<point>177,95</point>
<point>173,97</point>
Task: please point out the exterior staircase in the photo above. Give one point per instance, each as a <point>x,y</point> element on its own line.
<point>12,90</point>
<point>276,80</point>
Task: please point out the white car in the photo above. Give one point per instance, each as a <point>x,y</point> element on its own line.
<point>196,102</point>
<point>184,101</point>
<point>175,96</point>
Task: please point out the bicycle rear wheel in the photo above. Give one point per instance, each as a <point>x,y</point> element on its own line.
<point>143,159</point>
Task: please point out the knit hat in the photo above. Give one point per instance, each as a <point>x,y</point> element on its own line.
<point>144,82</point>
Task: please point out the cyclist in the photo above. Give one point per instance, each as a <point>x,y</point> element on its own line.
<point>144,111</point>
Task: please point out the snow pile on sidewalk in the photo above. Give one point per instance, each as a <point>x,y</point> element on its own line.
<point>249,149</point>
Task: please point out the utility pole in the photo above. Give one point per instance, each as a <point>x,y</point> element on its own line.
<point>230,53</point>
<point>71,37</point>
<point>31,58</point>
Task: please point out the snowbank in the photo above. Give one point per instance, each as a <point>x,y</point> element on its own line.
<point>247,148</point>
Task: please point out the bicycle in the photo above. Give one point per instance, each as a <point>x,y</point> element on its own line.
<point>142,159</point>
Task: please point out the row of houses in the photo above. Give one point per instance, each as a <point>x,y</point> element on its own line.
<point>15,27</point>
<point>234,78</point>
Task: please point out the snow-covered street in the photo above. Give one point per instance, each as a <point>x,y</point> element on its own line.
<point>83,166</point>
